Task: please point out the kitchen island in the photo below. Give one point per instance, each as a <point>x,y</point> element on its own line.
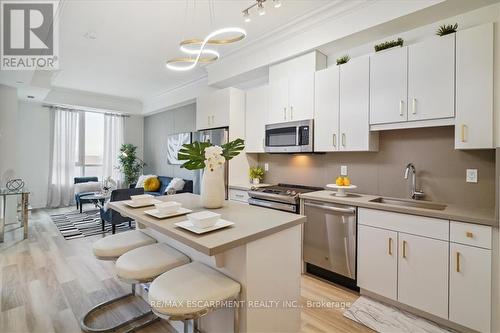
<point>262,251</point>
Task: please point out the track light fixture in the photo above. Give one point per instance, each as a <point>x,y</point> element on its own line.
<point>260,8</point>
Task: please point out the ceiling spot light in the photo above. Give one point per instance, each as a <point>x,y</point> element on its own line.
<point>260,9</point>
<point>277,3</point>
<point>246,16</point>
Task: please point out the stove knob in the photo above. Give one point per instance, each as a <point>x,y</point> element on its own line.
<point>294,193</point>
<point>287,192</point>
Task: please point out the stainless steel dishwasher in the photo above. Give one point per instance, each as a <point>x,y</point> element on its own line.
<point>330,241</point>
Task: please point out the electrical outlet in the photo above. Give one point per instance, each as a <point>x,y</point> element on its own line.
<point>471,176</point>
<point>266,166</point>
<point>343,170</point>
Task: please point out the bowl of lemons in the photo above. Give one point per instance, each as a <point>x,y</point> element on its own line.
<point>342,183</point>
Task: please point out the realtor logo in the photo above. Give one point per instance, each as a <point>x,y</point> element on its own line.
<point>29,35</point>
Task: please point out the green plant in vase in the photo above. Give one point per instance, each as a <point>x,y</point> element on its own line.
<point>256,175</point>
<point>447,29</point>
<point>130,164</point>
<point>204,155</point>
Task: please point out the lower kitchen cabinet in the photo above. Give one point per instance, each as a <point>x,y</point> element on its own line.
<point>437,266</point>
<point>423,274</point>
<point>470,286</point>
<point>377,261</point>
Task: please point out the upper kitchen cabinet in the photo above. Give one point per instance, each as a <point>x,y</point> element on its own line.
<point>327,110</point>
<point>213,110</point>
<point>291,88</point>
<point>255,114</point>
<point>431,79</point>
<point>354,95</point>
<point>474,88</point>
<point>388,86</point>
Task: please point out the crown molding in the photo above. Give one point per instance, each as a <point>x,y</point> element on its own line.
<point>313,31</point>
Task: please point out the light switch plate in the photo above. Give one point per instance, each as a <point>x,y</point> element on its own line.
<point>266,166</point>
<point>471,176</point>
<point>343,170</point>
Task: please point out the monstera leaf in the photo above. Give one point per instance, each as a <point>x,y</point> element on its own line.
<point>233,148</point>
<point>194,154</point>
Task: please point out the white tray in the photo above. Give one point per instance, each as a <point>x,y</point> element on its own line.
<point>189,226</point>
<point>133,204</point>
<point>341,189</point>
<point>156,213</point>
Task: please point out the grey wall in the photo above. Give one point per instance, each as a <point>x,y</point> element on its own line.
<point>157,128</point>
<point>440,168</point>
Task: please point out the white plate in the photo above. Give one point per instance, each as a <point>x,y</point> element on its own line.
<point>156,213</point>
<point>189,226</point>
<point>341,189</point>
<point>335,186</point>
<point>133,204</point>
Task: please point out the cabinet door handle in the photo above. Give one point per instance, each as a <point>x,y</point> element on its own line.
<point>462,132</point>
<point>401,105</point>
<point>208,120</point>
<point>291,112</point>
<point>343,140</point>
<point>404,249</point>
<point>390,246</point>
<point>213,120</point>
<point>284,113</point>
<point>414,106</point>
<point>334,140</point>
<point>458,262</point>
<point>469,234</point>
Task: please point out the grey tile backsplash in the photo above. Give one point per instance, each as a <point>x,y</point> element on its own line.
<point>440,168</point>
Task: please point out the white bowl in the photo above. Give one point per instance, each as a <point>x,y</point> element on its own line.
<point>168,207</point>
<point>204,219</point>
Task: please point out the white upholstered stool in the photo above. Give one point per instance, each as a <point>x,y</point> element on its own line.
<point>113,246</point>
<point>141,261</point>
<point>190,292</point>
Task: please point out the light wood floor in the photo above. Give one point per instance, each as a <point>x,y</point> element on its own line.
<point>47,283</point>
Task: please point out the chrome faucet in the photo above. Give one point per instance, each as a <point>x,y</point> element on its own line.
<point>415,194</point>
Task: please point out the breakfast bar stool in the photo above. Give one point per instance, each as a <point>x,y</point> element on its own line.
<point>190,292</point>
<point>138,265</point>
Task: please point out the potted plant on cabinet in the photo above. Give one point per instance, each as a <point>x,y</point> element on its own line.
<point>204,155</point>
<point>256,175</point>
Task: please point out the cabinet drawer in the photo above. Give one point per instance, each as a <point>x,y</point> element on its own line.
<point>238,195</point>
<point>470,234</point>
<point>411,224</point>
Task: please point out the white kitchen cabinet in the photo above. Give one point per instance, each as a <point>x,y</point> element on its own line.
<point>354,130</point>
<point>327,107</point>
<point>291,88</point>
<point>278,102</point>
<point>377,261</point>
<point>423,274</point>
<point>470,287</point>
<point>474,88</point>
<point>388,86</point>
<point>256,111</point>
<point>301,96</point>
<point>431,79</point>
<point>213,109</point>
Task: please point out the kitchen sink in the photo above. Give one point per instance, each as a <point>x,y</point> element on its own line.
<point>409,203</point>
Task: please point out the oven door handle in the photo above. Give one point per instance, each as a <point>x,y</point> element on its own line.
<point>347,211</point>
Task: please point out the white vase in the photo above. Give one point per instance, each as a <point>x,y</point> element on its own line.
<point>212,188</point>
<point>256,181</point>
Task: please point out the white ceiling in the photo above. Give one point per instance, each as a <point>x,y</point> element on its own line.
<point>134,39</point>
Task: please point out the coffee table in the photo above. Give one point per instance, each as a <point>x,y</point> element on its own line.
<point>97,198</point>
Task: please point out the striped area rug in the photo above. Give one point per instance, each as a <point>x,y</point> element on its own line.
<point>77,225</point>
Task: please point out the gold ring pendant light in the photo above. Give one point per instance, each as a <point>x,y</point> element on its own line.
<point>198,50</point>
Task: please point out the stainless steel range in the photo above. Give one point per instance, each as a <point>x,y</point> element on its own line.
<point>281,197</point>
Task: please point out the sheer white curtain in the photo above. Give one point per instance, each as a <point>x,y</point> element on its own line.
<point>113,139</point>
<point>63,159</point>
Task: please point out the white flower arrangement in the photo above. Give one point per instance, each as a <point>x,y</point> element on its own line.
<point>214,158</point>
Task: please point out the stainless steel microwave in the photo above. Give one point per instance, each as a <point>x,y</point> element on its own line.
<point>290,137</point>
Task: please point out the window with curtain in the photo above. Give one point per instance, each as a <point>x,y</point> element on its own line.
<point>90,145</point>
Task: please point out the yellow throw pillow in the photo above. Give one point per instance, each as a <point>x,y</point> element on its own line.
<point>152,184</point>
